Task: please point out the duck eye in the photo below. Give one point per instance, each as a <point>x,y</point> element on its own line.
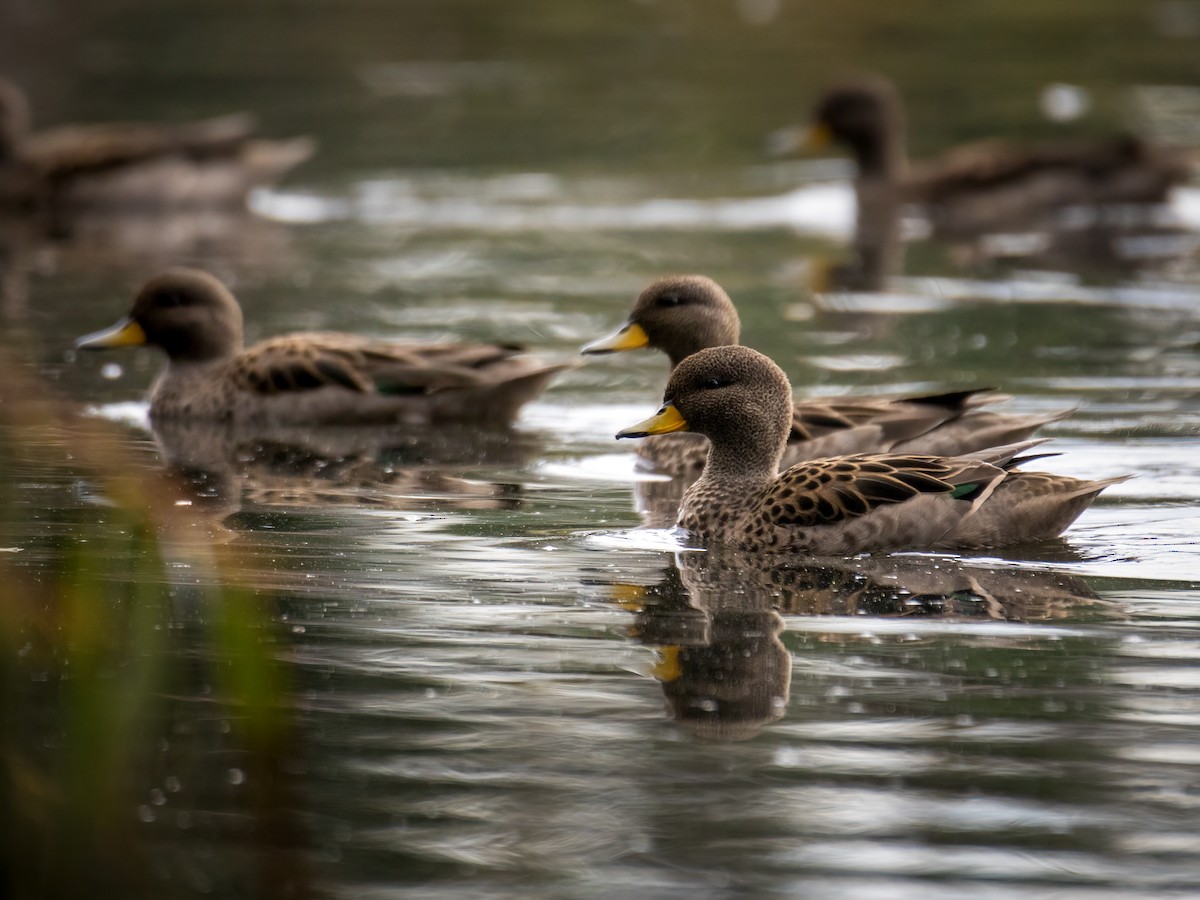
<point>715,382</point>
<point>670,300</point>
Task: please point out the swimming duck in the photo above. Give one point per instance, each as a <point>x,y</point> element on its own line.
<point>684,314</point>
<point>73,168</point>
<point>310,378</point>
<point>988,183</point>
<point>741,401</point>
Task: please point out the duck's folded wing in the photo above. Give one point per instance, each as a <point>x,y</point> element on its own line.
<point>71,149</point>
<point>313,361</point>
<point>996,163</point>
<point>896,418</point>
<point>286,365</point>
<point>828,491</point>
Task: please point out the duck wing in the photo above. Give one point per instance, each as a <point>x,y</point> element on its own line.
<point>837,490</point>
<point>73,149</point>
<point>1081,169</point>
<point>311,361</point>
<point>817,418</point>
<point>935,425</point>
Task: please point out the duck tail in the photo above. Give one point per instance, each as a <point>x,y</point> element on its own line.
<point>269,160</point>
<point>216,136</point>
<point>1006,456</point>
<point>1092,488</point>
<point>960,401</point>
<point>508,396</point>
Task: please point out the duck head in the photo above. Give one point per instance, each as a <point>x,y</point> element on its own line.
<point>867,116</point>
<point>736,397</point>
<point>189,314</point>
<point>679,315</point>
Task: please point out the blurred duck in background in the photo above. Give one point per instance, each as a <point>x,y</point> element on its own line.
<point>987,184</point>
<point>142,167</point>
<point>311,378</point>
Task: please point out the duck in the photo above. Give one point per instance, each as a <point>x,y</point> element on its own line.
<point>134,166</point>
<point>864,503</point>
<point>310,378</point>
<point>683,314</point>
<point>991,183</point>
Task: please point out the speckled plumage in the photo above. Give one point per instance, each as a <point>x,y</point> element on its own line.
<point>741,401</point>
<point>311,378</point>
<point>681,315</point>
<point>124,165</point>
<point>993,182</point>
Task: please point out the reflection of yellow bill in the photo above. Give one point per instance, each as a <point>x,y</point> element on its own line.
<point>668,668</point>
<point>815,137</point>
<point>799,139</point>
<point>126,333</point>
<point>630,336</point>
<point>631,597</point>
<point>664,421</point>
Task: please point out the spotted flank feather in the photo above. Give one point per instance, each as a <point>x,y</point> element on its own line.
<point>832,490</point>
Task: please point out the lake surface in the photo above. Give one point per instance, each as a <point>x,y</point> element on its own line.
<point>455,665</point>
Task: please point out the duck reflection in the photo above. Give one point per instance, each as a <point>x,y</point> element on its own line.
<point>723,670</point>
<point>717,618</point>
<point>225,469</point>
<point>1101,247</point>
<point>876,252</point>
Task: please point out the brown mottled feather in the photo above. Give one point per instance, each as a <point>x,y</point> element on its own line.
<point>76,149</point>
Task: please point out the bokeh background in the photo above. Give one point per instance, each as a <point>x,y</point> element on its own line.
<point>450,666</point>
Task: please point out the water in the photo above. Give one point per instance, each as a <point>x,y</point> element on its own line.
<point>453,665</point>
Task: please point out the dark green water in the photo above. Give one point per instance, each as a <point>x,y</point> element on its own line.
<point>451,667</point>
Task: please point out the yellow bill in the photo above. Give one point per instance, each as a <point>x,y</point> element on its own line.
<point>665,421</point>
<point>816,137</point>
<point>669,667</point>
<point>126,333</point>
<point>799,139</point>
<point>629,336</point>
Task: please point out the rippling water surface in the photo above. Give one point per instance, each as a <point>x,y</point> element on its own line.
<point>455,665</point>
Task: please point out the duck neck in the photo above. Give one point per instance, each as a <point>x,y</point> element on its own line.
<point>880,156</point>
<point>8,144</point>
<point>189,348</point>
<point>679,354</point>
<point>680,351</point>
<point>14,120</point>
<point>745,463</point>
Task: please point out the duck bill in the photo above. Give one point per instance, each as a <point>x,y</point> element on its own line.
<point>799,139</point>
<point>665,421</point>
<point>126,333</point>
<point>630,336</point>
<point>816,137</point>
<point>669,666</point>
